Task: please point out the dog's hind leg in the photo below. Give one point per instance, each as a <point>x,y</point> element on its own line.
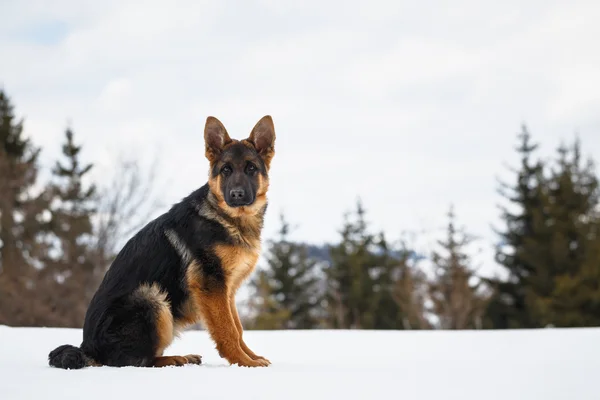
<point>176,360</point>
<point>140,329</point>
<point>165,332</point>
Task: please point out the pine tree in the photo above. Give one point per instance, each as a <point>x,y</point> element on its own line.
<point>349,282</point>
<point>398,288</point>
<point>20,207</point>
<point>512,302</point>
<point>385,313</point>
<point>22,221</point>
<point>409,291</point>
<point>458,296</point>
<point>72,271</point>
<point>575,301</point>
<point>370,283</point>
<point>75,203</point>
<point>352,276</point>
<point>267,312</point>
<point>288,285</point>
<point>567,290</point>
<point>552,256</point>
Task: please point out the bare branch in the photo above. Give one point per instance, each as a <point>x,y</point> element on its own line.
<point>125,204</point>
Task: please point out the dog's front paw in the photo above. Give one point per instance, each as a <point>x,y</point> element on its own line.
<point>261,358</point>
<point>253,363</point>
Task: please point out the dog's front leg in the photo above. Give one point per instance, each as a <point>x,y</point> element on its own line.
<point>240,330</point>
<point>221,325</point>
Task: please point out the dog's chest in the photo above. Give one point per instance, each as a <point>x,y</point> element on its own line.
<point>237,263</point>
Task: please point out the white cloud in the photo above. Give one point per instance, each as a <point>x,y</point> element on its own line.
<point>116,94</point>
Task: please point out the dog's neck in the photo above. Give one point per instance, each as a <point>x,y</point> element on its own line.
<point>245,227</point>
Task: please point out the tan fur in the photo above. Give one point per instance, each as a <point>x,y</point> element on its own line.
<point>216,312</point>
<point>237,262</point>
<point>176,360</point>
<point>238,325</point>
<point>244,227</point>
<point>165,327</point>
<point>209,302</point>
<point>164,318</point>
<point>93,363</point>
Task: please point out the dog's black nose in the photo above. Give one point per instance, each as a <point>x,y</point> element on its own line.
<point>236,194</point>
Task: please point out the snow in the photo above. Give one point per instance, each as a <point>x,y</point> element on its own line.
<point>529,364</point>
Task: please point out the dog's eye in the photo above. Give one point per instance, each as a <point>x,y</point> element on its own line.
<point>251,167</point>
<point>226,170</point>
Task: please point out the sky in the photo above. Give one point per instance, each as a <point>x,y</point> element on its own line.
<point>411,106</point>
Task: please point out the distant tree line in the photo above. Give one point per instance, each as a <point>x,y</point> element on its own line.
<point>548,252</point>
<point>57,239</point>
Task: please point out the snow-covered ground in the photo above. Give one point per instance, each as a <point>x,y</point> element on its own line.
<point>543,364</point>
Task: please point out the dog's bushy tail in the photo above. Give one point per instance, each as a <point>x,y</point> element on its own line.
<point>68,357</point>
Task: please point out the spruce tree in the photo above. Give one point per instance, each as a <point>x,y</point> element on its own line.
<point>72,269</point>
<point>512,302</point>
<point>288,285</point>
<point>267,312</point>
<point>352,276</point>
<point>370,283</point>
<point>398,288</point>
<point>409,291</point>
<point>20,207</point>
<point>575,301</point>
<point>385,310</point>
<point>457,294</point>
<point>74,203</point>
<point>552,255</point>
<point>567,291</point>
<point>22,221</point>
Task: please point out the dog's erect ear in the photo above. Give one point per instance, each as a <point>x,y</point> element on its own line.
<point>215,138</point>
<point>263,138</point>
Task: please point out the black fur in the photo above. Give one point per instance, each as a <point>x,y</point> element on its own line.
<point>128,319</point>
<point>119,329</point>
<point>67,357</point>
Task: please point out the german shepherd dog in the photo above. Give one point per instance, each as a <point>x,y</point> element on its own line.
<point>185,266</point>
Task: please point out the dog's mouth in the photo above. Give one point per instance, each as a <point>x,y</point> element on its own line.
<point>235,203</point>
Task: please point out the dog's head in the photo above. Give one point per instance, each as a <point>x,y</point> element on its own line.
<point>239,169</point>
